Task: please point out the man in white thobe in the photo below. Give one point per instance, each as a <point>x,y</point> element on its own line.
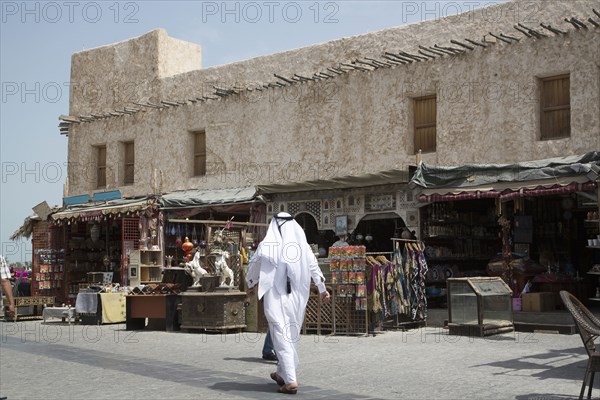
<point>282,267</point>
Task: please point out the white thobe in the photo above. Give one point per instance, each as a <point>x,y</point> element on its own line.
<point>284,256</point>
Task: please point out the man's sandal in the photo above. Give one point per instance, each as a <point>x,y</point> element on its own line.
<point>286,390</point>
<point>277,379</point>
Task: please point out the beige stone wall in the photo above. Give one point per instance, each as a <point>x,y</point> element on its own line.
<point>358,122</point>
<point>308,60</point>
<point>118,75</point>
<point>154,66</point>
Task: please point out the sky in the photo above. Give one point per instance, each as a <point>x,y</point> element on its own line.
<point>37,39</point>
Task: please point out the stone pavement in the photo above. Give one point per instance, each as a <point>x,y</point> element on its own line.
<point>55,360</point>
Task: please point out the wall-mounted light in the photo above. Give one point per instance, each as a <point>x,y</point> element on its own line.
<point>369,237</point>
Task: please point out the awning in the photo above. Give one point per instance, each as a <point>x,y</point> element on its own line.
<point>351,181</point>
<point>96,210</point>
<point>506,191</point>
<point>508,181</point>
<point>206,197</point>
<point>25,230</point>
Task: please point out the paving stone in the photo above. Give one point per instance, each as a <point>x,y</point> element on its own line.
<point>106,362</point>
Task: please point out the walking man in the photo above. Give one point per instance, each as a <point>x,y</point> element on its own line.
<point>282,267</point>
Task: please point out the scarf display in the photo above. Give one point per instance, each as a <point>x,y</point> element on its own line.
<point>397,287</point>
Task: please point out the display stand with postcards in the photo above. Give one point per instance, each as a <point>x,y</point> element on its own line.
<point>346,314</point>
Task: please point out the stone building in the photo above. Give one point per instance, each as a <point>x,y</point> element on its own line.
<point>511,82</point>
<point>352,117</point>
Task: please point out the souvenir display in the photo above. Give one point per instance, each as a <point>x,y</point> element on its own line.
<point>397,288</point>
<point>347,265</point>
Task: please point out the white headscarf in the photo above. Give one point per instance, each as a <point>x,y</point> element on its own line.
<point>283,254</point>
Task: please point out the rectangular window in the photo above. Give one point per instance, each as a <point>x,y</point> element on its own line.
<point>199,153</point>
<point>129,163</point>
<point>555,107</point>
<point>424,115</point>
<point>100,166</point>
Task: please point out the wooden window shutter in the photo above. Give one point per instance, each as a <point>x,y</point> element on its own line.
<point>101,166</point>
<point>199,153</point>
<point>424,116</point>
<point>555,107</point>
<point>129,163</point>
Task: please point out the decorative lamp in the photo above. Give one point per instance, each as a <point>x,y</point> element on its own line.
<point>359,236</point>
<point>369,237</point>
<point>187,246</point>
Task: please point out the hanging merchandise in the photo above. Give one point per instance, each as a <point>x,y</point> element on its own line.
<point>194,236</point>
<point>396,288</point>
<point>416,269</point>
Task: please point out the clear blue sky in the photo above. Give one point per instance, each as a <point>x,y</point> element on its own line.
<point>39,37</point>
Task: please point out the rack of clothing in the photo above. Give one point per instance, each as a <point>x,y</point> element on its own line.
<point>396,284</point>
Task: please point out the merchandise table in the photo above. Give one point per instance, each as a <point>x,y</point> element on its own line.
<point>162,308</point>
<point>67,313</point>
<point>31,307</point>
<point>100,308</point>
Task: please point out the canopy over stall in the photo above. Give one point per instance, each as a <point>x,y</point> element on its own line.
<point>26,229</point>
<point>508,181</point>
<point>97,210</point>
<point>343,182</point>
<point>194,198</point>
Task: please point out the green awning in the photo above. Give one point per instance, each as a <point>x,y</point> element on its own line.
<point>507,181</point>
<point>472,175</point>
<point>345,182</point>
<point>206,197</point>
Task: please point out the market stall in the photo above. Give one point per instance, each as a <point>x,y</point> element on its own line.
<point>81,241</point>
<point>527,222</point>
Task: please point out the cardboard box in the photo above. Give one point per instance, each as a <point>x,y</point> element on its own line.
<point>543,301</point>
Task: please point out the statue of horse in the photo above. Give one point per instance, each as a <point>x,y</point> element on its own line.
<point>195,270</point>
<point>222,268</point>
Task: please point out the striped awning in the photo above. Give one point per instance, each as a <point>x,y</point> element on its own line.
<point>506,194</point>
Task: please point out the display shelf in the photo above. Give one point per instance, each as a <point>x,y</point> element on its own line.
<point>150,273</point>
<point>150,266</point>
<point>593,247</point>
<point>594,298</point>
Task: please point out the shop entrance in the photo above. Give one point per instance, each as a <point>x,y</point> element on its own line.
<point>375,231</point>
<point>308,223</point>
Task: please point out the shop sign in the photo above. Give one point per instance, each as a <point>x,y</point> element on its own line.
<point>380,202</point>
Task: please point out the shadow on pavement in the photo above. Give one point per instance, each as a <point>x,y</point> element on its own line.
<point>545,396</point>
<point>250,359</point>
<point>572,365</point>
<point>231,386</point>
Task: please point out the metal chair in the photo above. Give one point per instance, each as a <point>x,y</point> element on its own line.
<point>589,329</point>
